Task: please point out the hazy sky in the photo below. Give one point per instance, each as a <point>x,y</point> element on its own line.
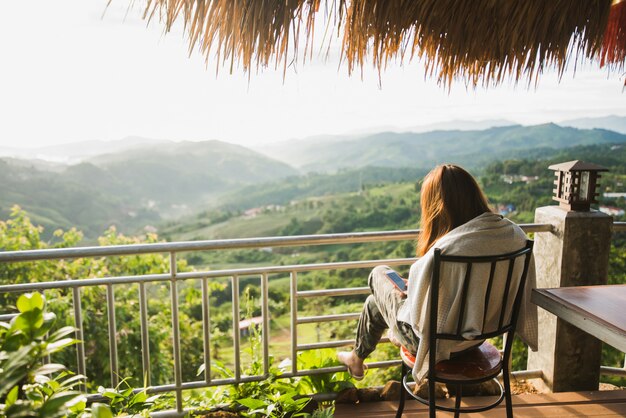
<point>68,74</point>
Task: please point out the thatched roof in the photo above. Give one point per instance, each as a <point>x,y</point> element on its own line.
<point>478,41</point>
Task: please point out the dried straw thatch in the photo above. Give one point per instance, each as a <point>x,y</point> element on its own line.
<point>614,45</point>
<point>479,41</point>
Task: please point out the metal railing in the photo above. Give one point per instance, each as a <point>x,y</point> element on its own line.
<point>619,226</point>
<point>173,277</point>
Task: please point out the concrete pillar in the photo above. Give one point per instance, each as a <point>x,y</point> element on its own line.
<point>576,253</point>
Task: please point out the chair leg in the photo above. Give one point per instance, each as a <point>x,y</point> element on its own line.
<point>457,400</point>
<point>432,410</point>
<point>507,392</point>
<point>402,391</point>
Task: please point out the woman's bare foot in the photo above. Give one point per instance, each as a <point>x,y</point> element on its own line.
<point>355,365</point>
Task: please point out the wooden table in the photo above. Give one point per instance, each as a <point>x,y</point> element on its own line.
<point>597,310</point>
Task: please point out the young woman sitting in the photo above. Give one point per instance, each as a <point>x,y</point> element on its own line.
<point>456,219</point>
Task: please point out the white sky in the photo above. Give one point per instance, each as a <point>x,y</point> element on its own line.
<point>66,75</point>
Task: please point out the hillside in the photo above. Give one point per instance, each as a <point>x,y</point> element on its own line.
<point>423,150</point>
<point>145,185</point>
<point>176,175</point>
<point>56,200</point>
<point>292,188</point>
<point>133,188</point>
<point>378,198</point>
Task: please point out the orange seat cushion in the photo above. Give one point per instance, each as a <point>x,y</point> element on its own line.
<point>482,361</point>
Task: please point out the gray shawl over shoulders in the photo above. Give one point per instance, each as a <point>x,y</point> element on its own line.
<point>487,234</point>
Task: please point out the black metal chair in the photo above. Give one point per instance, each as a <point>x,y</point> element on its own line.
<point>479,364</point>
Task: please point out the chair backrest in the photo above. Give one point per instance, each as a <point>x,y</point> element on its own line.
<point>501,309</point>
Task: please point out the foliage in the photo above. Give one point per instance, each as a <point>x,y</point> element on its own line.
<point>18,233</point>
<point>123,400</point>
<point>271,397</point>
<point>274,396</point>
<point>322,383</point>
<point>28,386</point>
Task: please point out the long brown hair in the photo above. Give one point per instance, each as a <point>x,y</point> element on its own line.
<point>450,197</point>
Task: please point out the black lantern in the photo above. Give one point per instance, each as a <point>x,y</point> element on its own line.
<point>576,183</point>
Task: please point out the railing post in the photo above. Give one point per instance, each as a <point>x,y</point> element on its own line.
<point>575,253</point>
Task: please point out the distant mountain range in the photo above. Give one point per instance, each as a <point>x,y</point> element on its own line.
<point>75,152</point>
<point>147,181</point>
<point>72,153</point>
<point>134,187</point>
<point>423,150</point>
<point>611,123</point>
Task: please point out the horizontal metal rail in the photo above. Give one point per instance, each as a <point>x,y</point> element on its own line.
<point>326,318</point>
<point>334,292</point>
<point>225,244</point>
<point>68,284</point>
<point>208,245</point>
<point>613,371</point>
<point>619,226</point>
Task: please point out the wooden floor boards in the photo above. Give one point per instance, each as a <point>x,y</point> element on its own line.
<point>600,404</point>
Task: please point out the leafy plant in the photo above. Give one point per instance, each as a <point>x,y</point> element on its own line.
<point>271,397</point>
<point>28,387</point>
<point>328,412</point>
<point>275,404</point>
<point>322,383</point>
<point>123,400</point>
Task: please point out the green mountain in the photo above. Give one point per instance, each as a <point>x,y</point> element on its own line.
<point>424,150</point>
<point>133,188</point>
<point>383,198</point>
<point>149,184</point>
<point>188,173</point>
<point>292,188</point>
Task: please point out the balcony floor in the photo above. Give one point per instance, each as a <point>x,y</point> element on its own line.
<point>600,404</point>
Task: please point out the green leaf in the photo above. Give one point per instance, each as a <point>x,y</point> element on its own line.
<point>60,333</point>
<point>49,318</point>
<point>50,368</point>
<point>15,368</point>
<point>28,321</point>
<point>54,406</point>
<point>60,345</point>
<point>201,369</point>
<point>113,396</point>
<point>12,396</point>
<point>20,409</point>
<point>73,381</point>
<point>15,341</point>
<point>99,410</point>
<point>153,398</point>
<point>30,302</point>
<point>79,406</point>
<point>139,397</point>
<point>251,403</point>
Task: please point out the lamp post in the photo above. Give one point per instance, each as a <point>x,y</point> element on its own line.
<point>576,183</point>
<point>575,253</point>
